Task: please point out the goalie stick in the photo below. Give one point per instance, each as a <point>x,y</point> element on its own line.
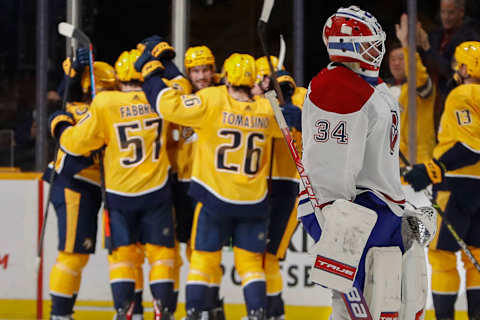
<point>445,221</point>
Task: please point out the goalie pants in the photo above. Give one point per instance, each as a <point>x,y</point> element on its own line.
<point>386,232</point>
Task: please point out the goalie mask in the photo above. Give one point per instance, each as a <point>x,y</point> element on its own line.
<point>354,35</point>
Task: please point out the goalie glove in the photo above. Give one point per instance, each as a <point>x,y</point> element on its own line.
<point>422,175</point>
<point>59,121</point>
<point>419,224</point>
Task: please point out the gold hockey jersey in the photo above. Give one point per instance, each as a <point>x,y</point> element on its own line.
<point>460,122</point>
<point>425,99</point>
<point>231,162</point>
<point>134,136</point>
<point>84,168</point>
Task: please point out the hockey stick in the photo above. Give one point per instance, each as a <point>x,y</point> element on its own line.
<point>281,53</point>
<point>106,211</point>
<point>68,30</point>
<point>447,223</point>
<point>261,29</point>
<point>51,178</point>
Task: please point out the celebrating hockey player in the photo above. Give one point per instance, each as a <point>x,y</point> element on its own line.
<point>350,126</point>
<point>200,69</point>
<point>136,178</point>
<point>75,192</point>
<point>455,173</point>
<point>284,189</point>
<point>229,174</point>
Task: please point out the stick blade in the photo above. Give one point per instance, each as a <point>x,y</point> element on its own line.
<point>66,29</point>
<point>266,10</point>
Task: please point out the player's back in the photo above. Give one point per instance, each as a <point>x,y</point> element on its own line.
<point>135,159</point>
<point>459,123</point>
<point>231,164</point>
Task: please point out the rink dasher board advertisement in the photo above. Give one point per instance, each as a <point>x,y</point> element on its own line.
<point>18,242</point>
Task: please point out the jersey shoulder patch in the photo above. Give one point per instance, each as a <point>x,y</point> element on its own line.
<point>339,90</point>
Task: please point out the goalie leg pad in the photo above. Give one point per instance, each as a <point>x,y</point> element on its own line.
<point>383,289</point>
<point>414,283</point>
<point>339,250</point>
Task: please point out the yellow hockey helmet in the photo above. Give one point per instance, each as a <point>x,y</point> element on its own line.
<point>261,65</point>
<point>104,77</point>
<point>198,56</point>
<point>125,66</point>
<point>468,53</point>
<point>239,70</point>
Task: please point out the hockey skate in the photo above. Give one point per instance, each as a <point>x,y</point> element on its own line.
<point>218,313</point>
<point>160,312</point>
<point>54,317</point>
<point>258,314</point>
<point>282,317</point>
<point>125,313</point>
<point>193,314</point>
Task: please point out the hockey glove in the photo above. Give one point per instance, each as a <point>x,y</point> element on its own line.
<point>82,59</point>
<point>422,175</point>
<point>59,121</point>
<point>287,84</point>
<point>158,47</point>
<point>152,67</point>
<point>293,116</point>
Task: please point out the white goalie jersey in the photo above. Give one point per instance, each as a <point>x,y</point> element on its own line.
<point>351,138</point>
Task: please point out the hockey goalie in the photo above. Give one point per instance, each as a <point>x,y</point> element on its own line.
<point>369,242</point>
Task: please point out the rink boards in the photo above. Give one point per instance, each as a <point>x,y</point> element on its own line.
<point>24,292</point>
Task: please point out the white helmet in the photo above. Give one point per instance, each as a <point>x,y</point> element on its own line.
<point>354,35</point>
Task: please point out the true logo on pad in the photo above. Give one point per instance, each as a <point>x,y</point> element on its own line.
<point>335,267</point>
<point>389,316</point>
